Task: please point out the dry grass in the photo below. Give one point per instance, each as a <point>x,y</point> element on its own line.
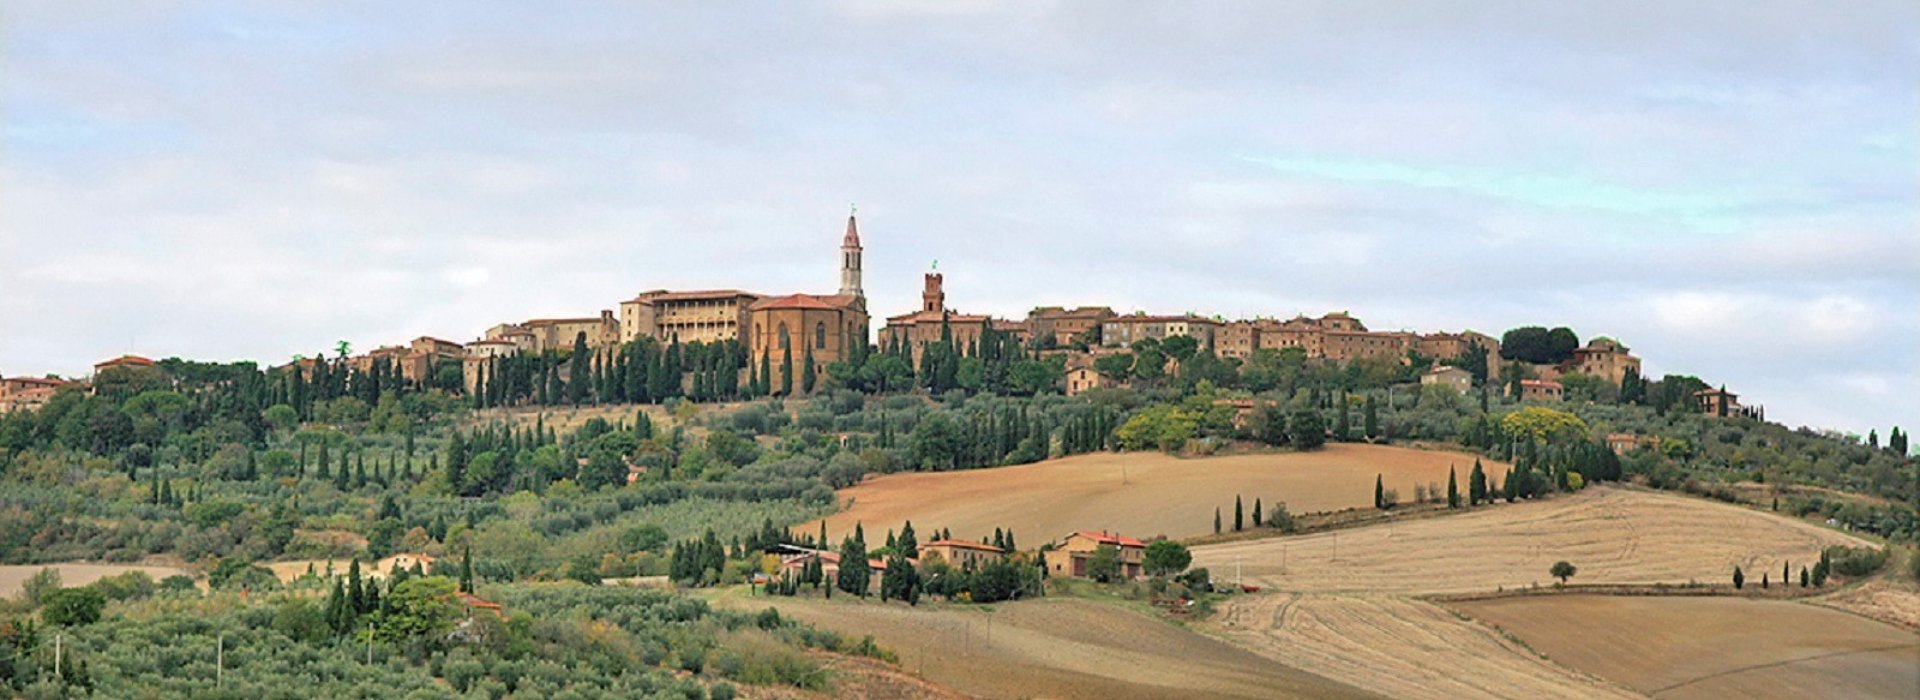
<point>1399,647</point>
<point>13,577</point>
<point>1140,494</point>
<point>1687,648</point>
<point>1057,648</point>
<point>1614,535</point>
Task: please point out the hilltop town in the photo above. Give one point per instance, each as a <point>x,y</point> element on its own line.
<point>1087,347</point>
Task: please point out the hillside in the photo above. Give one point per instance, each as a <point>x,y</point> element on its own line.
<point>1143,494</point>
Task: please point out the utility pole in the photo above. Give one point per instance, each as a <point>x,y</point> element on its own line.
<point>220,660</point>
<point>369,644</point>
<point>56,657</point>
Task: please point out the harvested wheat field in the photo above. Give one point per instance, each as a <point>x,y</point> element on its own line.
<point>1141,494</point>
<point>13,577</point>
<point>1614,535</point>
<point>1057,648</point>
<point>1399,647</point>
<point>1683,648</point>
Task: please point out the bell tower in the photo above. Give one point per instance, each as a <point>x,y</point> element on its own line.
<point>850,260</point>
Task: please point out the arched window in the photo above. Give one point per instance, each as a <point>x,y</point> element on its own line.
<point>819,336</point>
<point>785,340</point>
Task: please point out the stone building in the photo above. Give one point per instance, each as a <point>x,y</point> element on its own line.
<point>1124,331</point>
<point>1541,390</point>
<point>1086,378</point>
<point>1070,556</point>
<point>1449,376</point>
<point>708,316</point>
<point>1059,327</point>
<point>961,554</point>
<point>1605,358</point>
<point>827,328</point>
<point>923,326</point>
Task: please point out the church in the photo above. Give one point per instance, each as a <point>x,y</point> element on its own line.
<point>827,328</point>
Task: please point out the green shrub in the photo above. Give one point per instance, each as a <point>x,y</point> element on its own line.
<point>1856,561</point>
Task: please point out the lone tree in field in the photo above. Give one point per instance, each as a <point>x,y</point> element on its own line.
<point>1379,493</point>
<point>1563,571</point>
<point>1257,521</point>
<point>1739,578</point>
<point>1216,521</point>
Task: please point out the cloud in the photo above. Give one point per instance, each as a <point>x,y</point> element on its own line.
<point>1734,195</point>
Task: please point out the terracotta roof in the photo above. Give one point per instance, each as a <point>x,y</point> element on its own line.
<point>42,381</point>
<point>1539,383</point>
<point>793,301</point>
<point>134,360</point>
<point>963,544</point>
<point>1111,538</point>
<point>1162,319</point>
<point>557,321</point>
<point>924,316</point>
<point>664,295</point>
<point>490,341</point>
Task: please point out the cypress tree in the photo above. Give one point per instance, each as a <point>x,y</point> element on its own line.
<point>806,371</point>
<point>1739,578</point>
<point>1257,519</point>
<point>1239,516</point>
<point>1476,484</point>
<point>786,371</point>
<point>1453,489</point>
<point>466,569</point>
<point>1216,521</point>
<point>1379,493</point>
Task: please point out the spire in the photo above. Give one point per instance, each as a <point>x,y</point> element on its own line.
<point>850,254</point>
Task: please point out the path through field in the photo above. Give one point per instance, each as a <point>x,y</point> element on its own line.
<point>1142,494</point>
<point>1701,648</point>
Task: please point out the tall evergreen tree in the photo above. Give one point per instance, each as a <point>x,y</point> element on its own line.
<point>1453,489</point>
<point>1239,515</point>
<point>1379,492</point>
<point>786,371</point>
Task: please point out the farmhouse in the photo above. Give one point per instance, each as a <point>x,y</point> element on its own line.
<point>1448,376</point>
<point>1081,379</point>
<point>1070,556</point>
<point>1541,390</point>
<point>961,553</point>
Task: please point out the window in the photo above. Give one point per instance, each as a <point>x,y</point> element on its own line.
<point>819,336</point>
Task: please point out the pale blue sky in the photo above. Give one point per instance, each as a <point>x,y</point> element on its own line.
<point>1733,193</point>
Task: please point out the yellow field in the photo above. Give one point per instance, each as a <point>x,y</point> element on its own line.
<point>71,575</point>
<point>1614,535</point>
<point>1342,603</point>
<point>1057,648</point>
<point>1399,647</point>
<point>1686,648</point>
<point>1140,494</point>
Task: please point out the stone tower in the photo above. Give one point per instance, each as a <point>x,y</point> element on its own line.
<point>932,297</point>
<point>850,262</point>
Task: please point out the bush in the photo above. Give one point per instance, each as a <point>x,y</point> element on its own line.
<point>70,607</point>
<point>1856,561</point>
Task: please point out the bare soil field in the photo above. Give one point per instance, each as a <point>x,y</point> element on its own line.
<point>1141,494</point>
<point>13,577</point>
<point>1614,535</point>
<point>1057,648</point>
<point>1399,647</point>
<point>1685,648</point>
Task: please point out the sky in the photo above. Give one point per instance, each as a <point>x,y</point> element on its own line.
<point>1733,194</point>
